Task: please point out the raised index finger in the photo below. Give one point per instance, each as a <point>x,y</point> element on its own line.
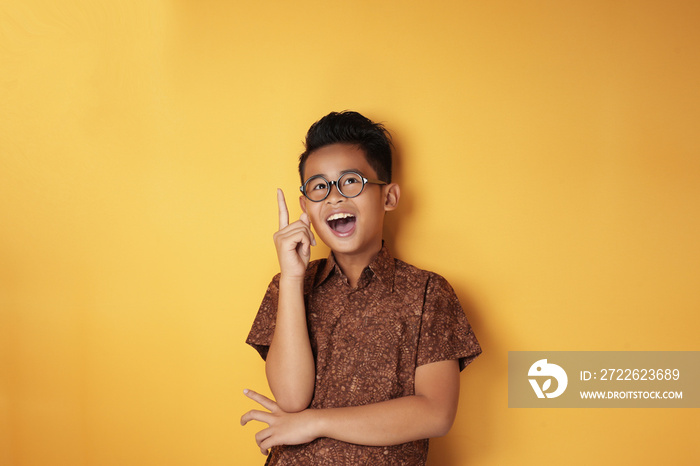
<point>282,206</point>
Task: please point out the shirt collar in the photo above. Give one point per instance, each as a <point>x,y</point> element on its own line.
<point>382,266</point>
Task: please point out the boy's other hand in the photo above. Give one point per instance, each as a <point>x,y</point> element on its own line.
<point>283,428</point>
<point>293,241</point>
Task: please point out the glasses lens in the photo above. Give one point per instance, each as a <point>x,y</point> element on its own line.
<point>316,188</point>
<point>350,184</point>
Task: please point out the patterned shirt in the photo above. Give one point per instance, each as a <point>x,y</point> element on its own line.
<point>367,343</point>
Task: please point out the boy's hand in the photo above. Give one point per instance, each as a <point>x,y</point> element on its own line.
<point>293,242</point>
<point>283,428</point>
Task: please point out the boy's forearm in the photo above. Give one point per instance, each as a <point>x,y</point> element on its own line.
<point>430,413</point>
<point>390,422</point>
<point>290,365</point>
<point>427,414</point>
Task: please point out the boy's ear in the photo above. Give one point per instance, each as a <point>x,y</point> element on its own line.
<point>391,196</point>
<point>302,203</point>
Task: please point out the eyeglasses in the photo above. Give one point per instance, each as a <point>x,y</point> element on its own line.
<point>350,184</point>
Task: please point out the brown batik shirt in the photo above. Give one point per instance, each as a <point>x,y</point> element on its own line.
<point>367,343</point>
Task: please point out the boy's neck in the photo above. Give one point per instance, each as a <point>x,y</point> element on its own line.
<point>352,265</point>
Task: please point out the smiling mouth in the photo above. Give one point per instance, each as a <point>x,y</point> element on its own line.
<point>341,222</point>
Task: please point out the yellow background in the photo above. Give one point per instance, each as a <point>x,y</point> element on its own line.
<point>548,153</point>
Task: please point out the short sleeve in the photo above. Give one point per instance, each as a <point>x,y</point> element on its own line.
<point>260,335</point>
<point>445,332</point>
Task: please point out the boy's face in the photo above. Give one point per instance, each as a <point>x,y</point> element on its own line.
<point>361,231</point>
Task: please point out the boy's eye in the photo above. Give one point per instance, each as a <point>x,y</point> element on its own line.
<point>350,178</point>
<point>320,184</point>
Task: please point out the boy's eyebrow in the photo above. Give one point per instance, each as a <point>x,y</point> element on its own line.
<point>343,172</point>
<point>354,170</point>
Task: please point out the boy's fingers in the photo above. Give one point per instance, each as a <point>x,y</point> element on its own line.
<point>305,220</point>
<point>282,207</point>
<point>264,401</point>
<point>262,437</point>
<point>255,415</point>
<point>295,234</point>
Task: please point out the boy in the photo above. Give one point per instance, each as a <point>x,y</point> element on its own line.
<point>363,351</point>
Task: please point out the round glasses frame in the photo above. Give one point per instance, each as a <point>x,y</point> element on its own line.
<point>330,185</point>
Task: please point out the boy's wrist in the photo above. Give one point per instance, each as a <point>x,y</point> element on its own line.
<point>316,422</point>
<point>291,279</point>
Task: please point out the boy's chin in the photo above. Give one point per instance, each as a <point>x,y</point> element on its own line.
<point>337,244</point>
<point>349,245</point>
<point>340,244</point>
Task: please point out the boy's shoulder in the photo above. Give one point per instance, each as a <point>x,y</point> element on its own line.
<point>416,275</point>
<point>410,269</point>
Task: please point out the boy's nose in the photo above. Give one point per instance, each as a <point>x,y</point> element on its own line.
<point>334,196</point>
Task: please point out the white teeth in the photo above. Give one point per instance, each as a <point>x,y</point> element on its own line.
<point>338,216</point>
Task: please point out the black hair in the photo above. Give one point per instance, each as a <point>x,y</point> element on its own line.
<point>351,128</point>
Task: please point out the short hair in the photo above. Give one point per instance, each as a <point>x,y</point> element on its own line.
<point>349,127</point>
